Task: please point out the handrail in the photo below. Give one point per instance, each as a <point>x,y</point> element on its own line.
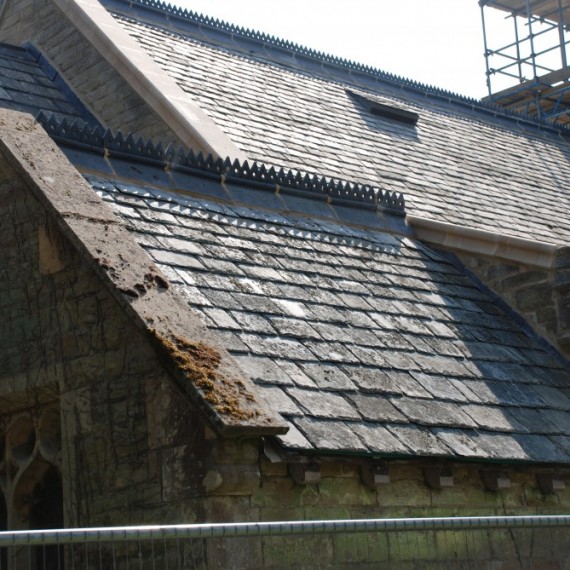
<point>249,529</point>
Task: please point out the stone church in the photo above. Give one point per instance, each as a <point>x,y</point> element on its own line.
<point>241,280</point>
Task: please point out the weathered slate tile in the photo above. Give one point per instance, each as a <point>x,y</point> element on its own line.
<point>330,435</point>
<point>279,401</point>
<point>328,377</point>
<point>264,370</point>
<point>378,439</point>
<point>433,412</point>
<point>376,408</point>
<point>320,404</point>
<point>420,441</point>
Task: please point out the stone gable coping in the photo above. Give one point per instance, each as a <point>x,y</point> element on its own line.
<point>159,91</point>
<point>312,185</point>
<point>491,244</point>
<point>196,360</point>
<point>164,14</point>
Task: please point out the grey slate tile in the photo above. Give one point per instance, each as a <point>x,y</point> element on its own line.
<point>541,449</point>
<point>262,369</point>
<point>377,408</point>
<point>279,401</point>
<point>378,439</point>
<point>433,412</point>
<point>321,404</point>
<point>439,387</point>
<point>294,439</point>
<point>420,441</point>
<point>330,435</point>
<point>328,377</point>
<point>491,418</point>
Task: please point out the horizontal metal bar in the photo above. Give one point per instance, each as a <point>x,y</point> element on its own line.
<point>143,533</point>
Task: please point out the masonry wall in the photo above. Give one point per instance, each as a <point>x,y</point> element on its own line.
<point>65,344</point>
<point>541,296</point>
<point>98,85</point>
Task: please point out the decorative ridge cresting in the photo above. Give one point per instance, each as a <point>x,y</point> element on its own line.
<point>195,18</point>
<point>81,135</point>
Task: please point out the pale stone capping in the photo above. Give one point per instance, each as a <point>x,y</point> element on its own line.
<point>159,91</point>
<point>482,242</point>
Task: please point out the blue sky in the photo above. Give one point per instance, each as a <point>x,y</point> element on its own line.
<point>438,42</point>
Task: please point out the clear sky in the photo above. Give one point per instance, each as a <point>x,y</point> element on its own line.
<point>438,42</point>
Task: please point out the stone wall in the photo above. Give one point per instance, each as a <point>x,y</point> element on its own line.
<point>64,339</point>
<point>97,84</point>
<point>541,296</point>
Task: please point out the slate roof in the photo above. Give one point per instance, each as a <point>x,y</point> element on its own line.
<point>288,106</point>
<point>365,341</point>
<point>29,84</point>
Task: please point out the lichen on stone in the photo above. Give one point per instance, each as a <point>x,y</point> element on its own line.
<point>200,364</point>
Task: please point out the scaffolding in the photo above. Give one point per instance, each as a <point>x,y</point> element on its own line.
<point>533,64</point>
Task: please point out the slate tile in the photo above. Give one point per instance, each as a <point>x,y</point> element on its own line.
<point>294,439</point>
<point>552,397</point>
<point>297,328</point>
<point>378,439</point>
<point>490,418</point>
<point>330,435</point>
<point>440,365</point>
<point>220,265</point>
<point>262,369</point>
<point>291,308</point>
<point>500,446</point>
<point>277,347</point>
<point>173,258</point>
<point>439,387</point>
<point>541,449</point>
<point>432,412</point>
<point>221,299</point>
<point>279,401</point>
<point>356,319</point>
<point>296,374</point>
<point>558,420</point>
<point>328,377</point>
<point>398,360</point>
<point>333,332</point>
<point>461,442</point>
<point>374,379</point>
<point>420,441</point>
<point>221,318</point>
<point>365,356</point>
<point>194,296</point>
<point>257,304</point>
<point>332,352</point>
<point>231,342</point>
<point>395,340</point>
<point>376,408</point>
<point>322,404</point>
<point>325,314</point>
<point>251,322</point>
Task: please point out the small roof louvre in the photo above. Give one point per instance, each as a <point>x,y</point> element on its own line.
<point>386,111</point>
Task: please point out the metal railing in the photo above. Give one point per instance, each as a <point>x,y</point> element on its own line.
<point>453,542</point>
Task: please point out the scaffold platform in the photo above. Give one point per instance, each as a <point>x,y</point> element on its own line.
<point>534,60</point>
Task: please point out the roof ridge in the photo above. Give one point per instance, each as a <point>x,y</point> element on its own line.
<point>350,66</point>
<point>83,135</point>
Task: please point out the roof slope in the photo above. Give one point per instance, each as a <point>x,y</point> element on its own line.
<point>28,84</point>
<point>459,164</point>
<point>365,341</point>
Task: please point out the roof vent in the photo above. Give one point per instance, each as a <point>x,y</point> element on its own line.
<point>386,111</point>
